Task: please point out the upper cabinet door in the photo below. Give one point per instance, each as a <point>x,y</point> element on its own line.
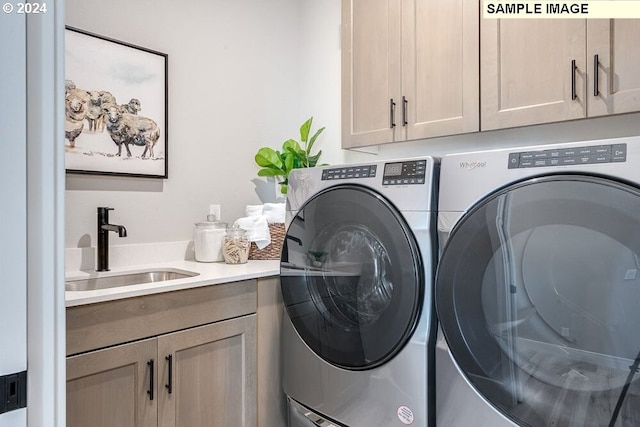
<point>440,76</point>
<point>371,96</point>
<point>615,42</point>
<point>409,70</point>
<point>527,74</point>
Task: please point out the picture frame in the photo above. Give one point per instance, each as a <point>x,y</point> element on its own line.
<point>116,107</point>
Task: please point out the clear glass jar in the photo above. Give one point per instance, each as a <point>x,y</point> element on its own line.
<point>208,239</point>
<point>236,246</point>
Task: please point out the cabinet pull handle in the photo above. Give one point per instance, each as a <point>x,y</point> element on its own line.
<point>573,80</point>
<point>392,114</point>
<point>150,391</point>
<point>596,62</point>
<point>169,385</point>
<point>404,111</point>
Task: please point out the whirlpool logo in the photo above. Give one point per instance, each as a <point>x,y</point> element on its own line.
<point>473,165</point>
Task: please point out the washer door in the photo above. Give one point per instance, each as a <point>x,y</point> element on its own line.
<point>352,277</point>
<point>538,295</point>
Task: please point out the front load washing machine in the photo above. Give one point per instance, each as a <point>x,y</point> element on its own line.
<point>538,286</point>
<point>356,272</point>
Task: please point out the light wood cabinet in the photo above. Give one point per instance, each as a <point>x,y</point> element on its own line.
<point>615,42</point>
<point>198,367</point>
<point>409,70</point>
<point>108,388</point>
<point>213,375</point>
<point>542,70</point>
<point>272,404</point>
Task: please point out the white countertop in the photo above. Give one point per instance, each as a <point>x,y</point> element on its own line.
<point>208,274</point>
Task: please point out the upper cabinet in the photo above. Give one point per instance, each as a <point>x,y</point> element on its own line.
<point>545,70</point>
<point>409,70</point>
<point>613,56</point>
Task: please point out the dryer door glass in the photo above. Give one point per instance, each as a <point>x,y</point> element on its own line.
<point>352,277</point>
<point>538,295</point>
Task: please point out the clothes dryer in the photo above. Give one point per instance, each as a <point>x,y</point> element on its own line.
<point>357,272</point>
<point>538,286</point>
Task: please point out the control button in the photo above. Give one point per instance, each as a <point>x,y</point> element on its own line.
<point>619,153</point>
<point>603,149</point>
<point>514,159</point>
<point>582,151</point>
<point>569,152</point>
<point>540,155</point>
<point>526,163</point>
<point>568,161</point>
<point>526,156</point>
<point>539,163</point>
<point>554,153</point>
<point>420,180</point>
<point>385,182</point>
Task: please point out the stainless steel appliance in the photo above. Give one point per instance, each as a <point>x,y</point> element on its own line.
<point>357,274</point>
<point>537,289</point>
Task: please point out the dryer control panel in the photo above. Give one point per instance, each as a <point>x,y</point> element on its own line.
<point>404,173</point>
<point>569,156</point>
<point>350,172</point>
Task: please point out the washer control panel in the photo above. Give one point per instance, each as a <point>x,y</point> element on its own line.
<point>367,171</point>
<point>404,173</point>
<point>569,156</point>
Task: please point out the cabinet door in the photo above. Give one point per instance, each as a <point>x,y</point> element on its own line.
<point>109,388</point>
<point>526,71</point>
<point>616,42</point>
<point>213,375</point>
<point>370,72</point>
<point>440,57</point>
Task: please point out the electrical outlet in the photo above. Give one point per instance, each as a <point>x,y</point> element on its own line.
<point>215,210</point>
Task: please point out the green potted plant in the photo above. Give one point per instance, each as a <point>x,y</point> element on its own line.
<point>294,155</point>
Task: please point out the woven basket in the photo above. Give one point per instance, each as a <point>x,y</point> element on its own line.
<point>274,249</point>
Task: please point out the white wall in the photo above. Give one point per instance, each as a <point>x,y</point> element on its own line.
<point>244,74</point>
<point>234,86</point>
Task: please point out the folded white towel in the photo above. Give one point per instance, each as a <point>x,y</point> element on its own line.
<point>274,212</point>
<point>257,229</point>
<point>254,210</point>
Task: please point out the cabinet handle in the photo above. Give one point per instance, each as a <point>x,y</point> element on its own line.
<point>150,391</point>
<point>392,114</point>
<point>169,385</point>
<point>404,111</point>
<point>596,62</point>
<point>573,80</point>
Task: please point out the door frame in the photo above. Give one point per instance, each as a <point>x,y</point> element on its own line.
<point>46,337</point>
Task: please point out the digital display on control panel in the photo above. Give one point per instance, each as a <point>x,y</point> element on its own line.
<point>393,169</point>
<point>569,156</point>
<point>404,173</point>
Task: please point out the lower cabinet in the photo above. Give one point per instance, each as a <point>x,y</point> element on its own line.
<point>197,368</point>
<point>203,376</point>
<point>108,388</point>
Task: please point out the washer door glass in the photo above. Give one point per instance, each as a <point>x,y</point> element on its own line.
<point>538,295</point>
<point>352,277</point>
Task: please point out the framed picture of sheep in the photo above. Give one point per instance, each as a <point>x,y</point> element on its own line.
<point>115,107</point>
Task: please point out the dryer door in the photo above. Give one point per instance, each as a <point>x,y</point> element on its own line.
<point>538,295</point>
<point>352,277</point>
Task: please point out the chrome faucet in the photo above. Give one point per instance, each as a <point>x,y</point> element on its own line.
<point>103,237</point>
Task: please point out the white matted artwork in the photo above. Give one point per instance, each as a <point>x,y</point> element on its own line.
<point>115,107</point>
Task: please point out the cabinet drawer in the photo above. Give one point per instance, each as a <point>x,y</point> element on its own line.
<point>99,325</point>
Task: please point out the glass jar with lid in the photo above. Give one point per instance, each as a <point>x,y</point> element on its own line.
<point>236,246</point>
<point>208,239</point>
